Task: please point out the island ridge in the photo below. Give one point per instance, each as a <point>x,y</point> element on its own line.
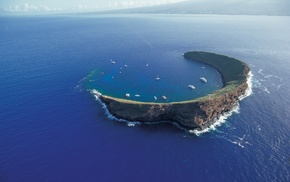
<point>199,113</point>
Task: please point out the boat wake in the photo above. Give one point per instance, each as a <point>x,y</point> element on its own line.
<point>240,141</point>
<point>80,85</point>
<point>267,82</point>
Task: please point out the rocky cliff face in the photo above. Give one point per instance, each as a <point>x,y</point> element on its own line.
<point>190,115</point>
<point>195,114</point>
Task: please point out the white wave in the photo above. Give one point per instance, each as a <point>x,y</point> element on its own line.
<point>132,123</point>
<point>95,93</point>
<point>222,119</point>
<point>249,90</point>
<point>108,114</point>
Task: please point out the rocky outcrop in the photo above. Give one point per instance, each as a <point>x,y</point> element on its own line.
<point>194,114</point>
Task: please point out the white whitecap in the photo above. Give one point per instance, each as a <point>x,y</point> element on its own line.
<point>249,90</point>
<point>222,119</point>
<point>95,93</point>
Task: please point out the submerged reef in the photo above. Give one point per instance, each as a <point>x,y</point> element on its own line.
<point>197,114</point>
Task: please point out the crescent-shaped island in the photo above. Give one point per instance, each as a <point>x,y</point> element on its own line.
<point>197,114</point>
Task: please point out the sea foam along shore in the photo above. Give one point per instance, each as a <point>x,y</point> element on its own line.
<point>223,118</point>
<point>97,95</point>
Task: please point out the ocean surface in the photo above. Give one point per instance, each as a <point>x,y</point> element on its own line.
<point>53,129</point>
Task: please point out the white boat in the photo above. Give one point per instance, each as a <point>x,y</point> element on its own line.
<point>191,86</point>
<point>125,66</point>
<point>113,62</point>
<point>147,64</point>
<point>137,95</point>
<point>155,98</point>
<point>164,97</point>
<point>127,95</point>
<point>203,79</point>
<point>157,78</point>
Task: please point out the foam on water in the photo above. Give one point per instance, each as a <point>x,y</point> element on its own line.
<point>97,95</point>
<point>222,119</point>
<point>240,141</point>
<point>268,81</point>
<point>249,90</point>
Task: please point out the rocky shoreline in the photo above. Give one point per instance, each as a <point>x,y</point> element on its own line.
<point>193,114</point>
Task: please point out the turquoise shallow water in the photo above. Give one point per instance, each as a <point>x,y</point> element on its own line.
<point>53,129</point>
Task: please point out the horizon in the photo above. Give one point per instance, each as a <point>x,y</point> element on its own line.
<point>54,6</point>
<point>256,7</point>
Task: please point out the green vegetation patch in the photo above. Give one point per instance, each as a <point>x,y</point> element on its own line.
<point>231,69</point>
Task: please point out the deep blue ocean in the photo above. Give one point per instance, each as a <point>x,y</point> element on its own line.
<point>53,129</point>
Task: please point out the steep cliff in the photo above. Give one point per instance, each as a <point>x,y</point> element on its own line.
<point>193,114</point>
